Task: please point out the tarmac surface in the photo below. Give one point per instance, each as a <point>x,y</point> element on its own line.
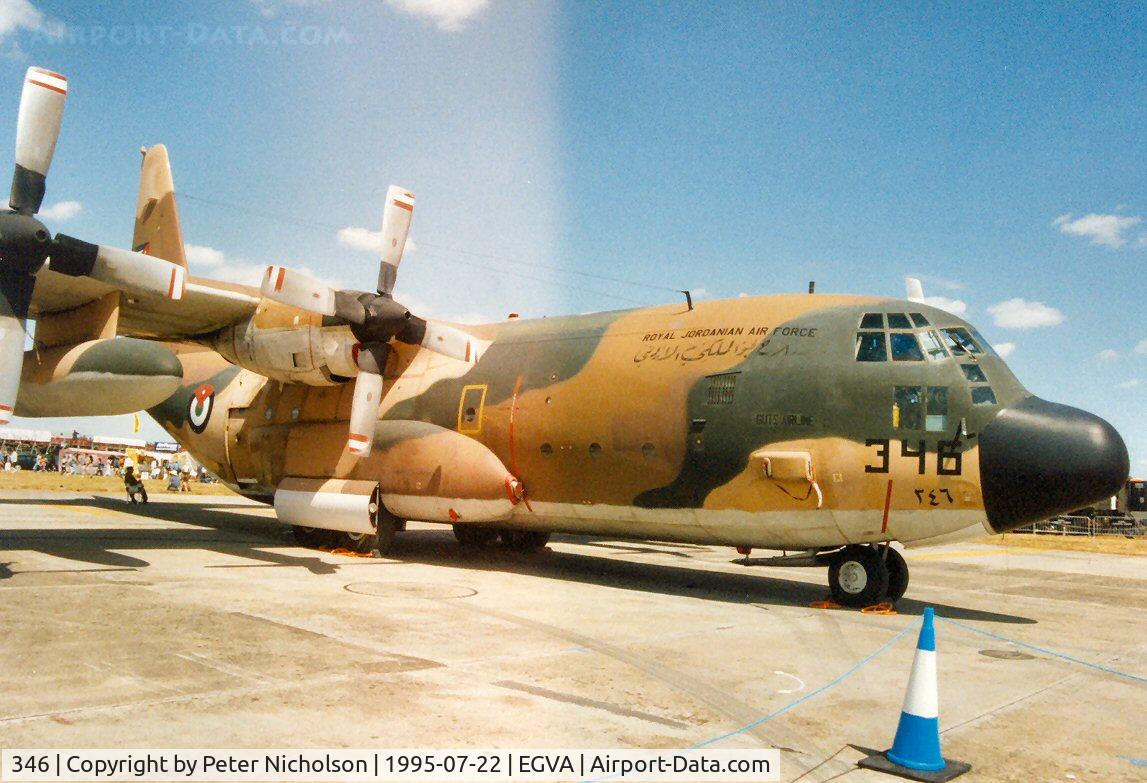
<point>198,623</point>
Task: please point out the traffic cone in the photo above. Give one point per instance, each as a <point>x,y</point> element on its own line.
<point>915,753</point>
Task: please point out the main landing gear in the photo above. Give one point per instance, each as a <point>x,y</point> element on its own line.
<point>382,540</point>
<point>860,576</point>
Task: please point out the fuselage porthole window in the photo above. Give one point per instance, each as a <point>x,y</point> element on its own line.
<point>936,419</point>
<point>983,395</point>
<point>908,408</point>
<point>870,347</point>
<point>974,373</point>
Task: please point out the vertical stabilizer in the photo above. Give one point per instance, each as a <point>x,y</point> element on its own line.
<point>157,231</point>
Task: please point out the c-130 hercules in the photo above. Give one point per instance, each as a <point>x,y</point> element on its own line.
<point>828,426</point>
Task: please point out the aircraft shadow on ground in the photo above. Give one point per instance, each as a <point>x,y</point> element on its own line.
<point>240,534</point>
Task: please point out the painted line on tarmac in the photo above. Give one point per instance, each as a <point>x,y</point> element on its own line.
<point>1046,651</point>
<point>830,684</point>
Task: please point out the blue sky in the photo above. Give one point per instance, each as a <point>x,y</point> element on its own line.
<point>996,152</point>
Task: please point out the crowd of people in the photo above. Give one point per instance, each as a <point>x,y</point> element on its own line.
<point>77,462</point>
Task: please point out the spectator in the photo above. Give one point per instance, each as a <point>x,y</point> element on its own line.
<point>134,486</point>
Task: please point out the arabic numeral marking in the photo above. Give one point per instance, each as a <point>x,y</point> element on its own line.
<point>920,454</point>
<point>881,451</point>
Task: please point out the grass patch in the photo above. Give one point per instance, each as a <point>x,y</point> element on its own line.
<point>62,482</point>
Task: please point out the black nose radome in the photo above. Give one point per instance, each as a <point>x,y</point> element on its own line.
<point>1039,459</point>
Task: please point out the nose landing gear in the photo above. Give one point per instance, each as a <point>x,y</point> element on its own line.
<point>860,576</point>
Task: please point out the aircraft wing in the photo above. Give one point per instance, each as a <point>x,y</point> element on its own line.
<point>206,305</point>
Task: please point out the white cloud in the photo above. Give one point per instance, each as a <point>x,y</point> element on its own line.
<point>1128,384</point>
<point>201,255</point>
<point>953,306</point>
<point>1107,355</point>
<point>61,211</point>
<point>368,241</point>
<point>1141,348</point>
<point>216,265</point>
<point>1022,314</point>
<point>269,9</point>
<point>19,14</point>
<point>1005,349</point>
<point>1105,230</point>
<point>447,14</point>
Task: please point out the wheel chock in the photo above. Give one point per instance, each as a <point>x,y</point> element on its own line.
<point>884,607</point>
<point>825,605</point>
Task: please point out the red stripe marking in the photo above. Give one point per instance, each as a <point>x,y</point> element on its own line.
<point>46,72</point>
<point>356,437</point>
<point>52,87</point>
<point>467,350</point>
<point>171,285</point>
<point>282,276</point>
<point>404,205</point>
<point>6,408</point>
<point>887,504</point>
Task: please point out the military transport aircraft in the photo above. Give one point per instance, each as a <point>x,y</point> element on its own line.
<point>823,425</point>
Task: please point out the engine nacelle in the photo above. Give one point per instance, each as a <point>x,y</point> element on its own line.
<point>328,504</point>
<point>303,352</point>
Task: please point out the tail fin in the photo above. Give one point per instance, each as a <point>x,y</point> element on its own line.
<point>157,231</point>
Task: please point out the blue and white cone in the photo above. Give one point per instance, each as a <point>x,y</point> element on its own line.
<point>915,753</point>
<point>917,743</point>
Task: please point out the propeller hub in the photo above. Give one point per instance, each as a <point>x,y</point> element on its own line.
<point>24,243</point>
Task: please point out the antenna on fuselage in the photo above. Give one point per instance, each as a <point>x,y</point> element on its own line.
<point>812,286</point>
<point>688,299</point>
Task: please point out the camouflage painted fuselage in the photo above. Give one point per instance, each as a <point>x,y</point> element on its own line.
<point>747,422</point>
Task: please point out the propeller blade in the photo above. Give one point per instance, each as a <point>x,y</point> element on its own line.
<point>396,217</point>
<point>364,413</point>
<point>298,290</point>
<point>37,128</point>
<point>126,270</point>
<point>15,294</point>
<point>440,338</point>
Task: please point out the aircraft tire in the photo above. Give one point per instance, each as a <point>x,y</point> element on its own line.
<point>525,540</point>
<point>474,536</point>
<point>312,537</point>
<point>897,575</point>
<point>858,577</point>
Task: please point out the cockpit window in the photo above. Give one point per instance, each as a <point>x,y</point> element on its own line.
<point>959,341</point>
<point>918,319</point>
<point>870,347</point>
<point>973,373</point>
<point>898,321</point>
<point>983,395</point>
<point>872,321</point>
<point>983,343</point>
<point>905,348</point>
<point>933,348</point>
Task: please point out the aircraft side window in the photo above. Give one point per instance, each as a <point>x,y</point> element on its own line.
<point>872,321</point>
<point>936,419</point>
<point>983,343</point>
<point>974,373</point>
<point>918,319</point>
<point>983,395</point>
<point>870,347</point>
<point>933,347</point>
<point>958,337</point>
<point>908,408</point>
<point>905,348</point>
<point>898,321</point>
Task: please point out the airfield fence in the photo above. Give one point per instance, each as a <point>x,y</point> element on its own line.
<point>1124,527</point>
